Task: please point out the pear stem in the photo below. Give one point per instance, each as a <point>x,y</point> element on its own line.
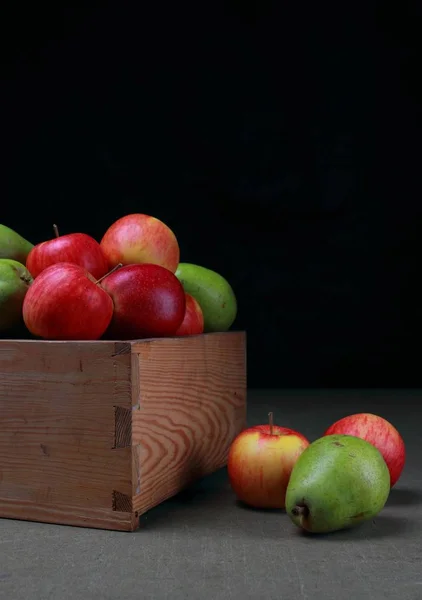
<point>56,231</point>
<point>271,422</point>
<point>300,511</point>
<point>109,273</point>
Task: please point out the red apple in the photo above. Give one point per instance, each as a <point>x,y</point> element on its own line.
<point>139,239</point>
<point>77,248</point>
<point>261,459</point>
<point>378,432</point>
<point>65,303</point>
<point>193,322</point>
<point>149,301</point>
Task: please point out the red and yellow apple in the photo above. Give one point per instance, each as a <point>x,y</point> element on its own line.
<point>380,433</point>
<point>77,248</point>
<point>149,301</point>
<point>139,239</point>
<point>66,303</point>
<point>260,461</point>
<point>193,322</point>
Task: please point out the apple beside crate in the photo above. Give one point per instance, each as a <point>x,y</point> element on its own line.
<point>96,433</point>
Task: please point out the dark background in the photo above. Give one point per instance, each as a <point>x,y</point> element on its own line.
<point>281,145</point>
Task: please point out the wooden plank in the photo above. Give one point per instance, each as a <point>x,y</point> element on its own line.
<point>96,518</point>
<point>189,403</point>
<point>58,424</point>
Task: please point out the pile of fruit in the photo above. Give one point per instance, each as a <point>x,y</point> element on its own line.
<point>336,482</point>
<point>130,285</point>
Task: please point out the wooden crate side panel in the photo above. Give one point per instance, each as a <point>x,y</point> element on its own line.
<point>190,405</point>
<point>96,518</point>
<point>62,439</point>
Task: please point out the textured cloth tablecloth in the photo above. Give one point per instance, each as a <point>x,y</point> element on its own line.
<point>202,545</point>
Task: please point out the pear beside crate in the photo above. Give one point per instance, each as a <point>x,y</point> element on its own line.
<point>96,433</point>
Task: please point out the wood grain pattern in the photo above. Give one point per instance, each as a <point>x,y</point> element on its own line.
<point>122,427</point>
<point>190,404</point>
<point>77,516</point>
<point>95,433</point>
<point>57,424</point>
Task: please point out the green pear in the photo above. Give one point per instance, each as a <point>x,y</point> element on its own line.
<point>213,293</point>
<point>13,245</point>
<point>15,280</point>
<point>338,482</point>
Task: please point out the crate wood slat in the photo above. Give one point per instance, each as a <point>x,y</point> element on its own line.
<point>191,405</point>
<point>96,433</point>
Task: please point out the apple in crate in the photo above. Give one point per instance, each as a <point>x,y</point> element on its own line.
<point>380,433</point>
<point>65,302</point>
<point>193,321</point>
<point>149,301</point>
<point>78,248</point>
<point>260,462</point>
<point>139,239</point>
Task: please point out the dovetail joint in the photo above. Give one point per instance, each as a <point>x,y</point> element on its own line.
<point>122,427</point>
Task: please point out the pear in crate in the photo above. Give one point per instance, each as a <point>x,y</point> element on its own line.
<point>13,245</point>
<point>15,280</point>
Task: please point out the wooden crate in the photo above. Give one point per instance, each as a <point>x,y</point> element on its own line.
<point>96,433</point>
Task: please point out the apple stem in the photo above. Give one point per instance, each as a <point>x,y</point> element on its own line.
<point>271,422</point>
<point>109,273</point>
<point>56,231</point>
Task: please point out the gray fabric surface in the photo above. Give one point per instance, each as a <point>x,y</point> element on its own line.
<point>203,545</point>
